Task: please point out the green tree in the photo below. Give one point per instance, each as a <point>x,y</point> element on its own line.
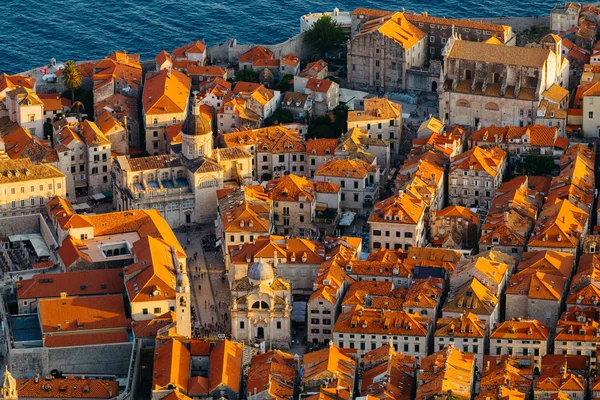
<point>325,34</point>
<point>284,84</point>
<point>280,116</point>
<point>246,75</point>
<point>340,115</point>
<point>72,77</point>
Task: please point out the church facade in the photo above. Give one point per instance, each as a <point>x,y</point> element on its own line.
<point>261,307</point>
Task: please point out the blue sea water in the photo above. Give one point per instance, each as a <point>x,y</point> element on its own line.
<point>33,31</point>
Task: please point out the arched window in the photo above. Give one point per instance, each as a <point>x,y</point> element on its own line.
<point>492,106</point>
<point>165,176</point>
<point>109,253</point>
<point>468,74</point>
<point>116,252</point>
<point>208,181</point>
<point>260,304</point>
<point>174,120</point>
<point>155,121</point>
<point>136,179</point>
<point>463,103</point>
<point>150,177</point>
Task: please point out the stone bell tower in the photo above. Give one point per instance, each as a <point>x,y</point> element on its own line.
<point>182,299</point>
<point>9,388</point>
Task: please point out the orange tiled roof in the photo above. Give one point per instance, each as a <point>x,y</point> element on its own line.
<point>319,85</point>
<point>560,225</point>
<point>521,329</point>
<point>467,325</point>
<point>194,47</point>
<point>536,285</point>
<point>255,53</point>
<point>297,249</point>
<point>67,388</point>
<point>488,160</point>
<point>149,328</point>
<point>118,66</point>
<point>80,283</point>
<point>398,209</point>
<point>77,313</point>
<point>171,366</point>
<point>472,295</point>
<point>444,371</point>
<point>397,28</point>
<point>372,321</point>
<point>86,339</point>
<point>399,384</point>
<point>297,188</point>
<point>331,365</point>
<point>460,23</point>
<point>226,366</point>
<point>376,108</point>
<point>166,92</point>
<point>547,261</point>
<point>274,373</point>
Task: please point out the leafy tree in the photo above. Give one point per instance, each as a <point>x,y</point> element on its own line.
<point>538,165</point>
<point>340,115</point>
<point>246,75</point>
<point>72,77</point>
<point>284,83</point>
<point>280,116</point>
<point>325,34</point>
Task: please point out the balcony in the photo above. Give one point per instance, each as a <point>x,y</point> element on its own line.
<point>371,188</point>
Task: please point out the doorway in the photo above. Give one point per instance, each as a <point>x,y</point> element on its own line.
<point>434,85</point>
<point>260,333</point>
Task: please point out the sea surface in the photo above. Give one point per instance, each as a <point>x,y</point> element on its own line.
<point>33,31</point>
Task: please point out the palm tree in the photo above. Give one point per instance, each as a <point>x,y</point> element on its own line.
<point>78,106</point>
<point>72,77</point>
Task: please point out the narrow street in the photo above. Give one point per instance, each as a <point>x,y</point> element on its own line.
<point>210,293</point>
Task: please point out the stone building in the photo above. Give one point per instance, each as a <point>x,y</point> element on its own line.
<point>118,73</point>
<point>27,109</point>
<point>182,186</point>
<point>397,223</point>
<point>440,29</point>
<point>382,53</point>
<point>454,227</point>
<point>485,84</point>
<point>27,187</point>
<point>261,306</point>
<point>382,119</point>
<point>475,175</point>
<point>165,102</point>
<point>564,17</point>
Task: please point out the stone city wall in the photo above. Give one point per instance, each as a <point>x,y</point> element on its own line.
<point>107,359</point>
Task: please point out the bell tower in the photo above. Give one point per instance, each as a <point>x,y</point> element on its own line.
<point>9,388</point>
<point>182,299</point>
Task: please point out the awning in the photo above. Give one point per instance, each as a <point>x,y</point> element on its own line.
<point>108,194</point>
<point>98,196</point>
<point>82,206</point>
<point>39,246</point>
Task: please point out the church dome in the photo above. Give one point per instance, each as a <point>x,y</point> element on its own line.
<point>196,124</point>
<point>260,271</point>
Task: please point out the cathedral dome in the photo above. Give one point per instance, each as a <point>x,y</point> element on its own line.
<point>260,271</point>
<point>196,124</point>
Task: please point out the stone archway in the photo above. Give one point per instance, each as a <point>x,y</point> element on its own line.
<point>260,332</point>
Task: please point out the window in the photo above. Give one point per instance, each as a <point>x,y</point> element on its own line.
<point>278,324</point>
<point>355,185</point>
<point>343,184</point>
<point>155,134</point>
<point>432,39</point>
<point>31,117</point>
<point>376,233</point>
<point>33,202</point>
<point>591,115</point>
<point>145,311</point>
<point>157,310</point>
<point>241,324</point>
<point>281,157</point>
<point>408,235</point>
<point>377,63</point>
<point>355,196</point>
<point>302,218</point>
